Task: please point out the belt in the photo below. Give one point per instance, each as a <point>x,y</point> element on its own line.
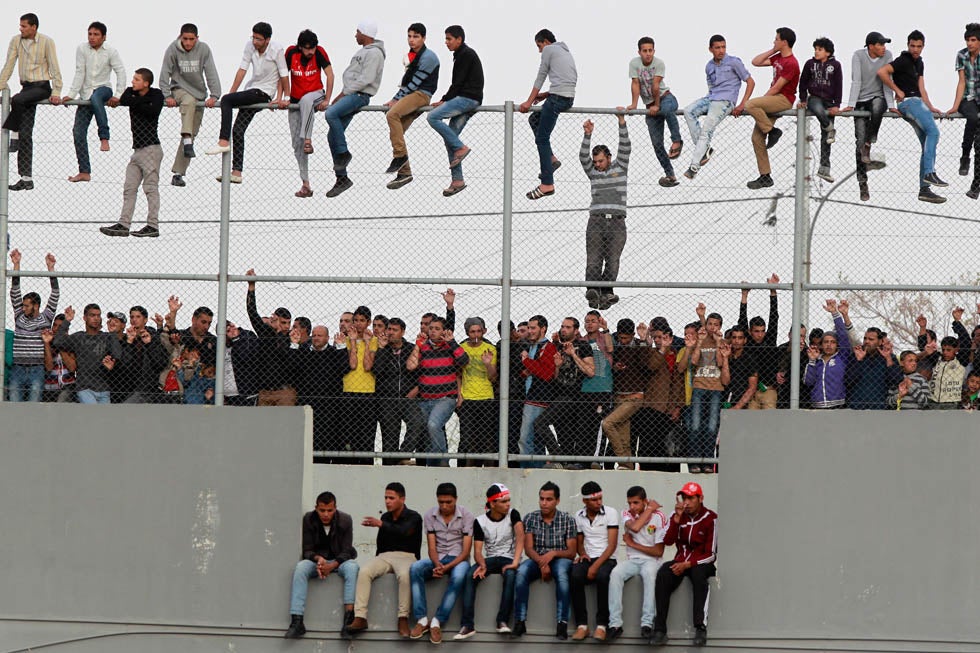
<point>43,82</point>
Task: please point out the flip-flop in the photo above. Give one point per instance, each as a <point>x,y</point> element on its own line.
<point>458,158</point>
<point>537,193</point>
<point>675,149</point>
<point>452,190</point>
<point>304,192</point>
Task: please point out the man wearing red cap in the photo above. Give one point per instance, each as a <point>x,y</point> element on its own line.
<point>693,528</point>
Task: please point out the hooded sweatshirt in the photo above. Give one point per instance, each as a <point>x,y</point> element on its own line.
<point>363,74</point>
<point>558,66</point>
<point>822,79</point>
<point>189,70</point>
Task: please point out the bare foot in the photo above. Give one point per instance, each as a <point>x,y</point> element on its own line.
<point>105,145</point>
<point>81,176</point>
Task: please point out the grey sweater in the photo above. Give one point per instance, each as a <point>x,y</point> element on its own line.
<point>89,351</point>
<point>558,66</point>
<point>190,71</point>
<point>609,185</point>
<point>865,83</point>
<point>363,74</point>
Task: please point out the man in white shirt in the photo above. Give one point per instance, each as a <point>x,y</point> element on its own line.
<point>94,64</point>
<point>598,537</point>
<point>269,84</point>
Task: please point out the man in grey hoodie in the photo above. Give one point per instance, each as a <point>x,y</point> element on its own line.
<point>187,76</point>
<point>558,65</point>
<point>360,81</point>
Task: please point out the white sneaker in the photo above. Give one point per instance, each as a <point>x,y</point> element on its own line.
<point>503,628</point>
<point>824,173</point>
<point>218,149</point>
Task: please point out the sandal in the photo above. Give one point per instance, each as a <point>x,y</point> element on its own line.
<point>459,155</point>
<point>307,148</point>
<point>305,191</point>
<point>452,190</point>
<point>537,193</point>
<point>675,149</point>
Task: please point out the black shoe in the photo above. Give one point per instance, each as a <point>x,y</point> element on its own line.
<point>342,184</point>
<point>399,181</point>
<point>613,632</point>
<point>974,192</point>
<point>659,638</point>
<point>707,156</point>
<point>296,627</point>
<point>178,180</point>
<point>875,164</point>
<point>348,618</point>
<point>592,296</point>
<point>518,630</point>
<point>115,230</point>
<point>764,181</point>
<point>773,137</point>
<point>342,160</point>
<point>669,181</point>
<point>964,165</point>
<point>607,300</point>
<point>146,232</point>
<point>646,632</point>
<point>14,145</point>
<point>933,178</point>
<point>700,636</point>
<point>865,193</point>
<point>866,153</point>
<point>926,195</point>
<point>561,632</point>
<point>189,151</point>
<point>396,164</point>
<point>22,185</point>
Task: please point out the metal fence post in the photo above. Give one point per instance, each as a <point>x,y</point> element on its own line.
<point>219,325</point>
<point>503,440</point>
<point>4,208</point>
<point>799,238</point>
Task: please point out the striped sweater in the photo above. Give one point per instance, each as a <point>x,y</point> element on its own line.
<point>438,363</point>
<point>609,185</point>
<point>28,346</point>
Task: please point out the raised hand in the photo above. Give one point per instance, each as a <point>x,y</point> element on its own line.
<point>487,357</point>
<point>69,314</point>
<point>449,297</point>
<point>294,336</point>
<point>49,260</point>
<point>859,353</point>
<point>812,352</point>
<point>47,336</point>
<point>131,334</point>
<point>690,339</point>
<point>845,308</point>
<point>773,279</point>
<point>700,310</point>
<point>15,258</point>
<point>587,127</point>
<point>958,313</point>
<point>830,306</point>
<point>382,340</point>
<point>108,362</point>
<point>641,330</point>
<point>158,319</point>
<point>921,321</point>
<point>173,303</point>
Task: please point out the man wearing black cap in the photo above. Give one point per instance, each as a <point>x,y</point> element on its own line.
<point>868,93</point>
<point>277,385</point>
<point>598,537</point>
<point>693,529</point>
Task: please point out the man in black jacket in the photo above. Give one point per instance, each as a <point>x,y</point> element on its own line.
<point>277,385</point>
<point>143,358</point>
<point>328,546</point>
<point>762,343</point>
<point>241,366</point>
<point>396,388</point>
<point>319,369</point>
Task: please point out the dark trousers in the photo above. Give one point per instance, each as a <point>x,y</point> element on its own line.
<point>392,411</point>
<point>866,130</point>
<point>654,430</point>
<point>605,238</point>
<point>237,135</point>
<point>561,414</point>
<point>969,109</point>
<point>357,423</point>
<point>594,408</point>
<point>818,107</point>
<point>495,565</point>
<point>667,582</point>
<point>478,429</point>
<point>515,410</point>
<point>579,579</point>
<point>23,107</point>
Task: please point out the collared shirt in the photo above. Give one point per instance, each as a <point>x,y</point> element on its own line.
<point>553,536</point>
<point>267,67</point>
<point>403,534</point>
<point>595,533</point>
<point>93,68</point>
<point>449,537</point>
<point>971,73</point>
<point>651,534</point>
<point>725,78</point>
<point>37,61</point>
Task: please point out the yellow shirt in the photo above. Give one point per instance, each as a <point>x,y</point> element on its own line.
<point>359,380</point>
<point>475,385</point>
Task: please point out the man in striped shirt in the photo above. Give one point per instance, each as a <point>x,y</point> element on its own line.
<point>605,235</point>
<point>27,373</point>
<point>438,360</point>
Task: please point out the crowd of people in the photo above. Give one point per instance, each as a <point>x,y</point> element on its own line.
<point>578,389</point>
<point>548,544</point>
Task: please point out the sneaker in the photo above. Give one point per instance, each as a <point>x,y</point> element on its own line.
<point>296,627</point>
<point>466,632</point>
<point>926,195</point>
<point>824,173</point>
<point>933,178</point>
<point>342,160</point>
<point>707,156</point>
<point>502,627</point>
<point>669,181</point>
<point>178,180</point>
<point>235,179</point>
<point>607,300</point>
<point>700,636</point>
<point>764,181</point>
<point>561,630</point>
<point>22,185</point>
<point>519,629</point>
<point>691,172</point>
<point>773,137</point>
<point>581,632</point>
<point>115,230</point>
<point>875,164</point>
<point>830,136</point>
<point>189,151</point>
<point>614,632</point>
<point>865,193</point>
<point>399,181</point>
<point>866,153</point>
<point>646,632</point>
<point>396,164</point>
<point>964,165</point>
<point>974,192</point>
<point>435,635</point>
<point>342,184</point>
<point>418,631</point>
<point>592,295</point>
<point>218,149</point>
<point>146,232</point>
<point>659,638</point>
<point>694,469</point>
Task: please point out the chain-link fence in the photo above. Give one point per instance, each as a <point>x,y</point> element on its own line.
<point>337,277</point>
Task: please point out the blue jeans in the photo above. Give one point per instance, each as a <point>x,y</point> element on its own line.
<point>542,124</point>
<point>655,125</point>
<point>526,445</point>
<point>818,107</point>
<point>458,110</point>
<point>918,115</point>
<point>703,428</point>
<point>647,571</point>
<point>437,412</point>
<point>306,569</point>
<point>421,571</point>
<point>714,111</point>
<point>83,118</point>
<point>338,116</point>
<point>92,397</point>
<point>26,383</point>
<point>495,565</point>
<point>528,572</point>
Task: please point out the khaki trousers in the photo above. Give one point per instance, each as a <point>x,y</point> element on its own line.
<point>281,397</point>
<point>616,426</point>
<point>143,168</point>
<point>763,400</point>
<point>390,562</point>
<point>190,123</point>
<point>760,109</point>
<point>400,117</point>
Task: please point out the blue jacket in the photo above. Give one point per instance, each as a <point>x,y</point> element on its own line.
<point>826,378</point>
<point>869,380</point>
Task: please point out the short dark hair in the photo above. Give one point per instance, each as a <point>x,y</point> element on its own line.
<point>397,321</point>
<point>950,341</point>
<point>381,318</point>
<point>625,325</point>
<point>590,487</point>
<point>263,29</point>
<point>973,373</point>
<point>307,38</point>
<point>787,35</point>
<point>692,325</point>
<point>972,29</point>
<point>757,321</point>
<point>740,329</point>
<point>99,25</point>
<point>875,330</point>
<point>397,488</point>
<point>139,309</point>
<point>551,487</point>
<point>545,35</point>
<point>540,319</point>
<point>915,35</point>
<point>715,316</point>
<point>282,311</point>
<point>91,307</point>
<point>30,19</point>
<point>203,309</point>
<point>440,320</point>
<point>520,324</point>
<point>603,149</point>
<point>646,40</point>
<point>659,323</point>
<point>575,322</point>
<point>636,491</point>
<point>716,38</point>
<point>418,28</point>
<point>34,297</point>
<point>428,316</point>
<point>818,333</point>
<point>594,313</point>
<point>456,31</point>
<point>146,74</point>
<point>326,498</point>
<point>446,490</point>
<point>364,311</point>
<point>188,28</point>
<point>825,43</point>
<point>304,323</point>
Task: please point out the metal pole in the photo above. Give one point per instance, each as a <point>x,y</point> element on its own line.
<point>219,326</point>
<point>4,208</point>
<point>799,238</point>
<point>503,437</point>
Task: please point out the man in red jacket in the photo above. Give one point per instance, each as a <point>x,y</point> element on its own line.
<point>693,528</point>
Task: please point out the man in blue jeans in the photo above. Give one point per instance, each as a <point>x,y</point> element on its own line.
<point>458,104</point>
<point>328,546</point>
<point>27,371</point>
<point>550,541</point>
<point>449,533</point>
<point>647,84</point>
<point>361,80</point>
<point>708,352</point>
<point>94,63</point>
<point>905,77</point>
<point>557,65</point>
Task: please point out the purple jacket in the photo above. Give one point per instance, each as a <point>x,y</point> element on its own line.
<point>826,379</point>
<point>824,80</point>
